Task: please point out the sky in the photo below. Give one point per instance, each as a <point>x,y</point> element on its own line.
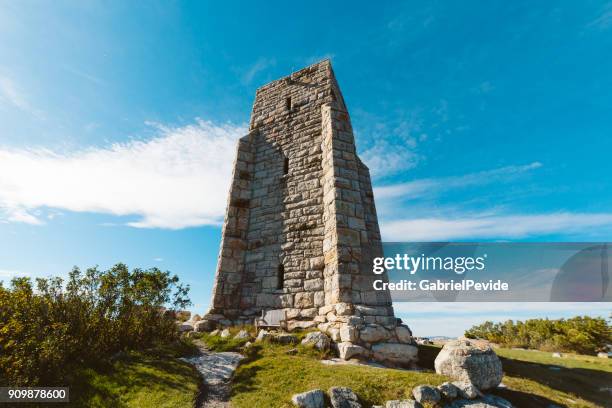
<point>480,121</point>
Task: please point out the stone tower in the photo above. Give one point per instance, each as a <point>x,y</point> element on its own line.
<point>301,228</point>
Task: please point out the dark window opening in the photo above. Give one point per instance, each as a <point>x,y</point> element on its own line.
<point>280,278</point>
<point>286,166</point>
<point>288,103</point>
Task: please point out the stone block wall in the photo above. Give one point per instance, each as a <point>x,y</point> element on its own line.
<point>301,227</point>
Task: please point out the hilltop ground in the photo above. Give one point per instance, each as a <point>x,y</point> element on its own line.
<point>270,375</point>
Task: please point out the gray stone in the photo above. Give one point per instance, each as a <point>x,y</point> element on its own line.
<point>395,353</point>
<point>215,332</point>
<point>487,401</point>
<point>263,335</point>
<point>185,327</point>
<point>285,338</point>
<point>467,390</point>
<point>204,325</point>
<point>426,393</point>
<point>309,399</point>
<point>470,361</point>
<point>348,350</point>
<point>343,397</point>
<point>242,335</point>
<point>318,340</point>
<point>448,390</point>
<point>225,333</point>
<point>403,404</point>
<point>373,333</point>
<point>404,335</point>
<point>301,214</point>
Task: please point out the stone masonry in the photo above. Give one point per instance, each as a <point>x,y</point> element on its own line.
<point>301,228</point>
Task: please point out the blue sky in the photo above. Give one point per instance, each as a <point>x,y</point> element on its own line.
<point>479,121</point>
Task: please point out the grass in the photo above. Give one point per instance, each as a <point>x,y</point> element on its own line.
<point>155,378</point>
<point>574,381</point>
<point>272,376</point>
<point>272,373</point>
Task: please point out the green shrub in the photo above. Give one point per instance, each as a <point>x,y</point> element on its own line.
<point>581,334</point>
<point>44,332</point>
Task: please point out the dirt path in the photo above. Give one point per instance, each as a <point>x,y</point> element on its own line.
<point>217,370</point>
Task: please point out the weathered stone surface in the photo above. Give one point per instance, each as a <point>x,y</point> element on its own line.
<point>285,338</point>
<point>301,228</point>
<point>348,333</point>
<point>467,390</point>
<point>487,401</point>
<point>263,335</point>
<point>395,353</point>
<point>242,334</point>
<point>343,397</point>
<point>448,390</point>
<point>426,393</point>
<point>204,325</point>
<point>403,404</point>
<point>348,350</point>
<point>470,361</point>
<point>185,327</point>
<point>309,399</point>
<point>225,333</point>
<point>215,332</point>
<point>318,340</point>
<point>373,333</point>
<point>404,335</point>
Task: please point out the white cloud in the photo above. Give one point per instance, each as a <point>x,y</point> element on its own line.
<point>492,226</point>
<point>431,186</point>
<point>385,159</point>
<point>178,179</point>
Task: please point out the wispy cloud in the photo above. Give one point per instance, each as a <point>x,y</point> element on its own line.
<point>604,20</point>
<point>175,180</point>
<point>12,95</point>
<point>392,145</point>
<point>432,186</point>
<point>259,65</point>
<point>493,226</point>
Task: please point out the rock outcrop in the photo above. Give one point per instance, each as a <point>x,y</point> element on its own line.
<point>470,361</point>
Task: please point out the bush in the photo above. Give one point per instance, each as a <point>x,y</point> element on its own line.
<point>44,332</point>
<point>581,334</point>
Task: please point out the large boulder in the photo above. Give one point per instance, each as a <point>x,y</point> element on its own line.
<point>426,393</point>
<point>225,333</point>
<point>263,335</point>
<point>395,353</point>
<point>318,340</point>
<point>343,397</point>
<point>471,361</point>
<point>309,399</point>
<point>487,401</point>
